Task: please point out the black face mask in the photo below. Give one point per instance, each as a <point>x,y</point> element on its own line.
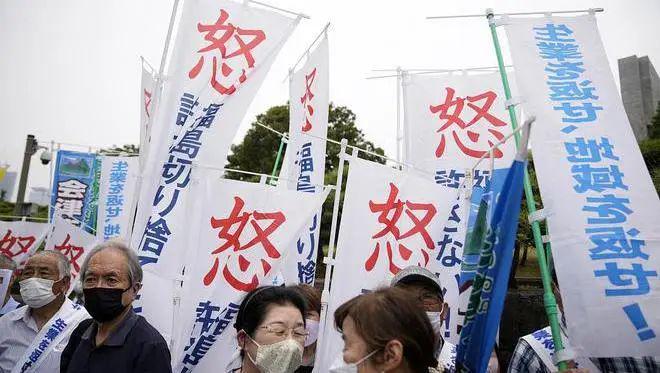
<point>104,304</point>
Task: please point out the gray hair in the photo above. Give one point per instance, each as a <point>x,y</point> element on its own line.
<point>132,261</point>
<point>8,263</point>
<point>63,264</point>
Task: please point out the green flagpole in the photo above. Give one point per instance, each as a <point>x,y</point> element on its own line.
<point>277,159</point>
<point>548,297</point>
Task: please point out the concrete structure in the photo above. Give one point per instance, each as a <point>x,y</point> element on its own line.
<point>640,90</point>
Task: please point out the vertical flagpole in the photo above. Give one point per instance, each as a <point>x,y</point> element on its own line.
<point>329,259</point>
<point>548,298</point>
<point>398,114</point>
<point>277,159</point>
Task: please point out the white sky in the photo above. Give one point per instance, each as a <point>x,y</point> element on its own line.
<point>70,69</point>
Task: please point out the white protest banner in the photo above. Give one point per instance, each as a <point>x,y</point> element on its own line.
<point>602,208</point>
<point>451,121</point>
<point>304,162</point>
<point>241,231</point>
<point>222,53</point>
<point>74,242</point>
<point>117,186</point>
<point>20,239</point>
<point>147,91</point>
<point>390,220</point>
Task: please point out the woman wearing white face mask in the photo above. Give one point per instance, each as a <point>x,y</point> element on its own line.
<point>313,300</point>
<point>385,331</point>
<point>271,330</point>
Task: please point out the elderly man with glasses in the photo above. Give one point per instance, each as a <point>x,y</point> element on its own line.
<point>33,336</point>
<point>116,339</point>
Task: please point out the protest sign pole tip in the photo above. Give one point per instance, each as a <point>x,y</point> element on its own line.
<point>548,297</point>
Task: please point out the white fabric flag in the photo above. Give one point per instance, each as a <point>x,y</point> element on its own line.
<point>241,231</point>
<point>74,242</point>
<point>117,189</point>
<point>603,210</point>
<point>147,91</point>
<point>304,163</point>
<point>390,220</point>
<point>20,239</point>
<point>222,53</point>
<point>452,120</point>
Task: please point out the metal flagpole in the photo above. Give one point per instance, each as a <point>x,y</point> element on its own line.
<point>548,297</point>
<point>329,259</point>
<point>277,159</point>
<point>398,114</point>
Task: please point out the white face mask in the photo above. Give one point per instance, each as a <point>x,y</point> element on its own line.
<point>437,323</point>
<point>280,357</point>
<point>312,327</point>
<point>339,366</point>
<point>37,292</point>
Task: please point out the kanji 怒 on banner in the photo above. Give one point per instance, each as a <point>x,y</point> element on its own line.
<point>602,208</point>
<point>242,231</point>
<point>117,191</point>
<point>20,239</point>
<point>221,55</point>
<point>390,220</point>
<point>303,168</point>
<point>75,188</point>
<point>451,121</point>
<point>73,242</point>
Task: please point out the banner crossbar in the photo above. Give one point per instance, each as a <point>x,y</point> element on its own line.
<point>590,10</point>
<point>306,52</point>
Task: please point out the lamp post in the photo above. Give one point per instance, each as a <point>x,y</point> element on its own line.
<point>31,147</point>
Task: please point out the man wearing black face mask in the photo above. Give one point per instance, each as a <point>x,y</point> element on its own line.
<point>116,339</point>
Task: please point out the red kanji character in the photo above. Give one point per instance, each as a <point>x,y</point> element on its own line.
<point>243,48</point>
<point>450,111</point>
<point>233,240</point>
<point>396,207</point>
<point>306,98</point>
<point>147,103</point>
<point>10,243</point>
<point>384,208</point>
<point>71,251</point>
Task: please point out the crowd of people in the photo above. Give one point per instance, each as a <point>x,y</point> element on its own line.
<point>394,329</point>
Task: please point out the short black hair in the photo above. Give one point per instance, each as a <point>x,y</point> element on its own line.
<point>255,305</point>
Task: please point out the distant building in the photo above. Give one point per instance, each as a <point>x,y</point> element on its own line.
<point>640,90</point>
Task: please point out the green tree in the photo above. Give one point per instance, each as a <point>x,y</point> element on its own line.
<point>258,150</point>
<point>654,128</point>
<point>129,149</point>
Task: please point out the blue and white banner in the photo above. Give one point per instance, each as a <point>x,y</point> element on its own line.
<point>117,186</point>
<point>303,167</point>
<point>482,317</point>
<point>602,208</point>
<point>222,53</point>
<point>75,188</point>
<point>242,232</point>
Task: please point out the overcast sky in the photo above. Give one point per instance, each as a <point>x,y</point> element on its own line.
<point>70,69</point>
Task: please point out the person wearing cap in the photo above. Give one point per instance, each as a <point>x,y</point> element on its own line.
<point>426,287</point>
